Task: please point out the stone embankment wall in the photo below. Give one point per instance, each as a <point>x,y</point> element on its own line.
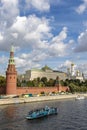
<point>38,99</point>
<point>34,99</point>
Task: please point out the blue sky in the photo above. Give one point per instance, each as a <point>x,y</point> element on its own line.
<point>44,32</point>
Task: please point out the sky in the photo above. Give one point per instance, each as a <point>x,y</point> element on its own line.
<point>43,32</point>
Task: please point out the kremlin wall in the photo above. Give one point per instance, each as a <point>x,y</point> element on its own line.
<point>11,82</point>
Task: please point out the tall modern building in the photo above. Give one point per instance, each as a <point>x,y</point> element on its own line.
<point>11,75</point>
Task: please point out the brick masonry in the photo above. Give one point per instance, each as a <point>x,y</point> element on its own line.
<point>34,90</point>
<point>37,90</point>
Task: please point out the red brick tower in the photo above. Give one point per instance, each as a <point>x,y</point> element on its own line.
<point>11,75</point>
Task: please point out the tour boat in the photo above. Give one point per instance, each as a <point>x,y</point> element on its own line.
<point>42,112</point>
<point>79,97</point>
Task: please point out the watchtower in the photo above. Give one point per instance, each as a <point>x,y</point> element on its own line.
<point>11,75</point>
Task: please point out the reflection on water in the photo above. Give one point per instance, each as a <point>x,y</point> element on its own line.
<point>72,116</point>
<point>9,112</point>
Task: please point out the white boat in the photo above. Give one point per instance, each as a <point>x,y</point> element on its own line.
<point>79,97</point>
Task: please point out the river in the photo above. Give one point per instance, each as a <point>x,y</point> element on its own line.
<point>72,115</point>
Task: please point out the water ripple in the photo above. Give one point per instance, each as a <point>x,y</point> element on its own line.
<point>72,116</point>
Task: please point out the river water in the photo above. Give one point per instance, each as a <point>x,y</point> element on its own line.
<point>72,115</point>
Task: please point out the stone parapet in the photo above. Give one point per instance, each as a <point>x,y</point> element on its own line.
<point>37,99</point>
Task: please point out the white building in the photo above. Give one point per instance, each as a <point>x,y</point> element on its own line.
<point>72,73</point>
<point>44,72</point>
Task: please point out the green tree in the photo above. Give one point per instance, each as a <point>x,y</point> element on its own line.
<point>35,82</point>
<point>30,83</point>
<point>44,80</point>
<point>41,84</point>
<point>51,82</point>
<point>18,83</point>
<point>72,87</point>
<point>2,81</point>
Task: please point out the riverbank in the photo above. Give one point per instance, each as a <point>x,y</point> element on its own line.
<point>37,99</point>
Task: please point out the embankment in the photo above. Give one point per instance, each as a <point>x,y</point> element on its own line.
<point>36,99</point>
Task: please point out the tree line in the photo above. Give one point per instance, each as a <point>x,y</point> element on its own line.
<point>75,85</point>
<point>37,82</point>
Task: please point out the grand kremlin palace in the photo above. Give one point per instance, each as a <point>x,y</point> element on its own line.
<point>44,72</point>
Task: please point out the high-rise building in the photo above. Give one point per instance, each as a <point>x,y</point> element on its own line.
<point>11,75</point>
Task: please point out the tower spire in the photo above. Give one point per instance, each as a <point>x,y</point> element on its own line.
<point>11,59</point>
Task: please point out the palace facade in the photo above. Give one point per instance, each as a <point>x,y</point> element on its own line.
<point>44,72</point>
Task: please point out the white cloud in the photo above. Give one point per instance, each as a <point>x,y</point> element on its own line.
<point>82,42</point>
<point>3,59</point>
<point>8,11</point>
<point>43,50</point>
<point>81,9</point>
<point>39,56</point>
<point>58,45</point>
<point>55,48</point>
<point>23,64</point>
<point>29,59</point>
<point>27,31</point>
<point>1,37</point>
<point>31,33</point>
<point>3,64</point>
<point>83,68</point>
<point>58,49</point>
<point>67,64</point>
<point>64,66</point>
<point>15,35</point>
<point>20,62</point>
<point>41,5</point>
<point>19,25</point>
<point>62,35</point>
